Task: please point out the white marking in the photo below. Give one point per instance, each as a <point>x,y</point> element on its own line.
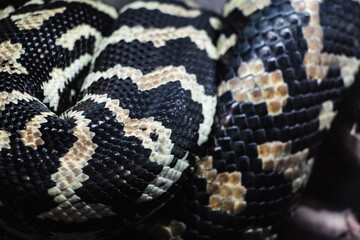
<point>224,43</point>
<point>349,67</point>
<point>4,13</point>
<point>4,141</point>
<point>166,8</point>
<point>10,53</point>
<point>68,39</point>
<point>60,77</point>
<point>313,35</point>
<point>318,63</point>
<point>327,115</point>
<point>303,175</point>
<point>247,7</point>
<point>14,97</point>
<point>161,76</point>
<point>159,37</point>
<point>70,177</point>
<point>267,232</point>
<point>33,2</point>
<point>215,23</point>
<point>34,20</point>
<point>193,4</point>
<point>72,93</point>
<point>161,149</point>
<point>98,5</point>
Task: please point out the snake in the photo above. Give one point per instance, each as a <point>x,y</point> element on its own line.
<point>163,120</point>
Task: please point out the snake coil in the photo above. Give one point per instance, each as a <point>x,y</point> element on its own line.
<point>165,121</point>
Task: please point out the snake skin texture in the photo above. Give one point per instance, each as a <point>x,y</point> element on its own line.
<point>128,142</point>
<point>283,70</point>
<point>162,121</point>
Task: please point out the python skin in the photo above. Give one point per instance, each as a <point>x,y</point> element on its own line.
<point>164,121</point>
<point>283,69</point>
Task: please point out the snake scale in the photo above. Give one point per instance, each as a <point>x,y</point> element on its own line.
<point>164,121</point>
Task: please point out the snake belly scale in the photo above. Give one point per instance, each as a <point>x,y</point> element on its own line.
<point>164,121</point>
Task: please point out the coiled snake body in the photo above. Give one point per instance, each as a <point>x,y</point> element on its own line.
<point>110,125</point>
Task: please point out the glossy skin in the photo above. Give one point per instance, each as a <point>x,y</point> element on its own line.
<point>136,137</point>
<point>128,140</point>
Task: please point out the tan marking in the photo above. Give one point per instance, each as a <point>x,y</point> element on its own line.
<point>161,149</point>
<point>70,172</point>
<point>168,231</point>
<point>274,107</point>
<point>273,151</point>
<point>247,7</point>
<point>255,95</point>
<point>9,53</point>
<point>100,6</point>
<point>31,136</point>
<point>163,75</point>
<point>70,177</point>
<point>317,63</point>
<point>34,20</point>
<point>227,193</point>
<point>159,37</point>
<point>166,8</point>
<point>14,97</point>
<point>4,13</point>
<point>269,93</point>
<point>255,85</point>
<point>225,43</point>
<point>68,39</point>
<point>313,35</point>
<point>5,139</point>
<point>60,77</point>
<point>276,156</point>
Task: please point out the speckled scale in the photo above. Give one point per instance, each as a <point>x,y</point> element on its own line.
<point>280,85</point>
<point>129,143</point>
<point>42,54</point>
<point>146,56</point>
<point>281,48</point>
